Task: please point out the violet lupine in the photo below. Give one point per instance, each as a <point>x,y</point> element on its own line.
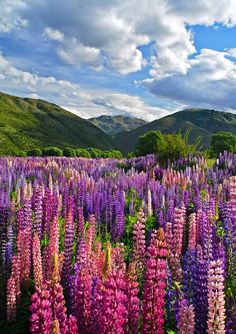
<point>37,261</point>
<point>154,285</point>
<point>11,299</point>
<point>216,298</point>
<point>139,245</point>
<point>38,212</point>
<point>200,295</point>
<point>186,318</point>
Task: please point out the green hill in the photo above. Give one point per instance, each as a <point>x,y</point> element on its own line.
<point>29,123</point>
<point>203,122</point>
<point>113,125</point>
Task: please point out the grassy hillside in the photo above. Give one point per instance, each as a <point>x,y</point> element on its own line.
<point>203,122</point>
<point>113,125</point>
<point>28,123</point>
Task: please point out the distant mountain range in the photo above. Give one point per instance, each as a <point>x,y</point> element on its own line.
<point>202,122</point>
<point>29,123</point>
<point>113,125</point>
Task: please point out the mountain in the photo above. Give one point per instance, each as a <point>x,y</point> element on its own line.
<point>27,123</point>
<point>203,122</point>
<point>113,125</point>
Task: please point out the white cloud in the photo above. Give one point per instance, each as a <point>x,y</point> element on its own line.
<point>83,102</point>
<point>210,82</point>
<point>108,35</point>
<point>55,35</point>
<point>10,17</point>
<point>95,33</point>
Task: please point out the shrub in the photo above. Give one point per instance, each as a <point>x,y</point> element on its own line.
<point>36,152</point>
<point>69,152</point>
<point>52,151</point>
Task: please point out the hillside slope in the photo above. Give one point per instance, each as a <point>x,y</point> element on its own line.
<point>203,122</point>
<point>113,125</point>
<point>27,123</point>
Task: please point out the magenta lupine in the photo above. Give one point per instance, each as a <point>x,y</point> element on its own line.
<point>139,246</point>
<point>37,261</point>
<point>83,300</point>
<point>11,299</point>
<point>111,302</point>
<point>72,327</point>
<point>41,318</point>
<point>186,318</point>
<point>133,303</point>
<point>154,285</point>
<point>216,298</point>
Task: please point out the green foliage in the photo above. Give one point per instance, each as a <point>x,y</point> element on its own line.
<point>52,152</point>
<point>223,141</point>
<point>150,142</point>
<point>20,154</point>
<point>36,152</point>
<point>167,147</point>
<point>69,152</point>
<point>83,153</point>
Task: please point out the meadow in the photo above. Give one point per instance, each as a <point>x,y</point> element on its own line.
<point>117,246</point>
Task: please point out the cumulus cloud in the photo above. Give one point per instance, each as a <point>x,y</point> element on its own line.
<point>108,35</point>
<point>55,35</point>
<point>110,32</point>
<point>83,102</point>
<point>210,82</point>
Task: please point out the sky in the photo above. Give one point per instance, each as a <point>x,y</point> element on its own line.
<point>143,59</point>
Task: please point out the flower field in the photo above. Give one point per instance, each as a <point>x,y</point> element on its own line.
<point>111,247</point>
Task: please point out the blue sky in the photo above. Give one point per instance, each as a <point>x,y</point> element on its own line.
<point>114,57</point>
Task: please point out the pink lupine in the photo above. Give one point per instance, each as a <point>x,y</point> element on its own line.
<point>179,221</point>
<point>37,261</point>
<point>186,318</point>
<point>52,248</point>
<point>154,285</point>
<point>192,232</point>
<point>169,237</point>
<point>139,246</point>
<point>15,273</point>
<point>216,298</point>
<point>11,299</point>
<point>24,251</point>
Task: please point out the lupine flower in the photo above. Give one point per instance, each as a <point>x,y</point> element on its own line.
<point>216,298</point>
<point>139,246</point>
<point>37,261</point>
<point>11,299</point>
<point>111,304</point>
<point>186,318</point>
<point>154,285</point>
